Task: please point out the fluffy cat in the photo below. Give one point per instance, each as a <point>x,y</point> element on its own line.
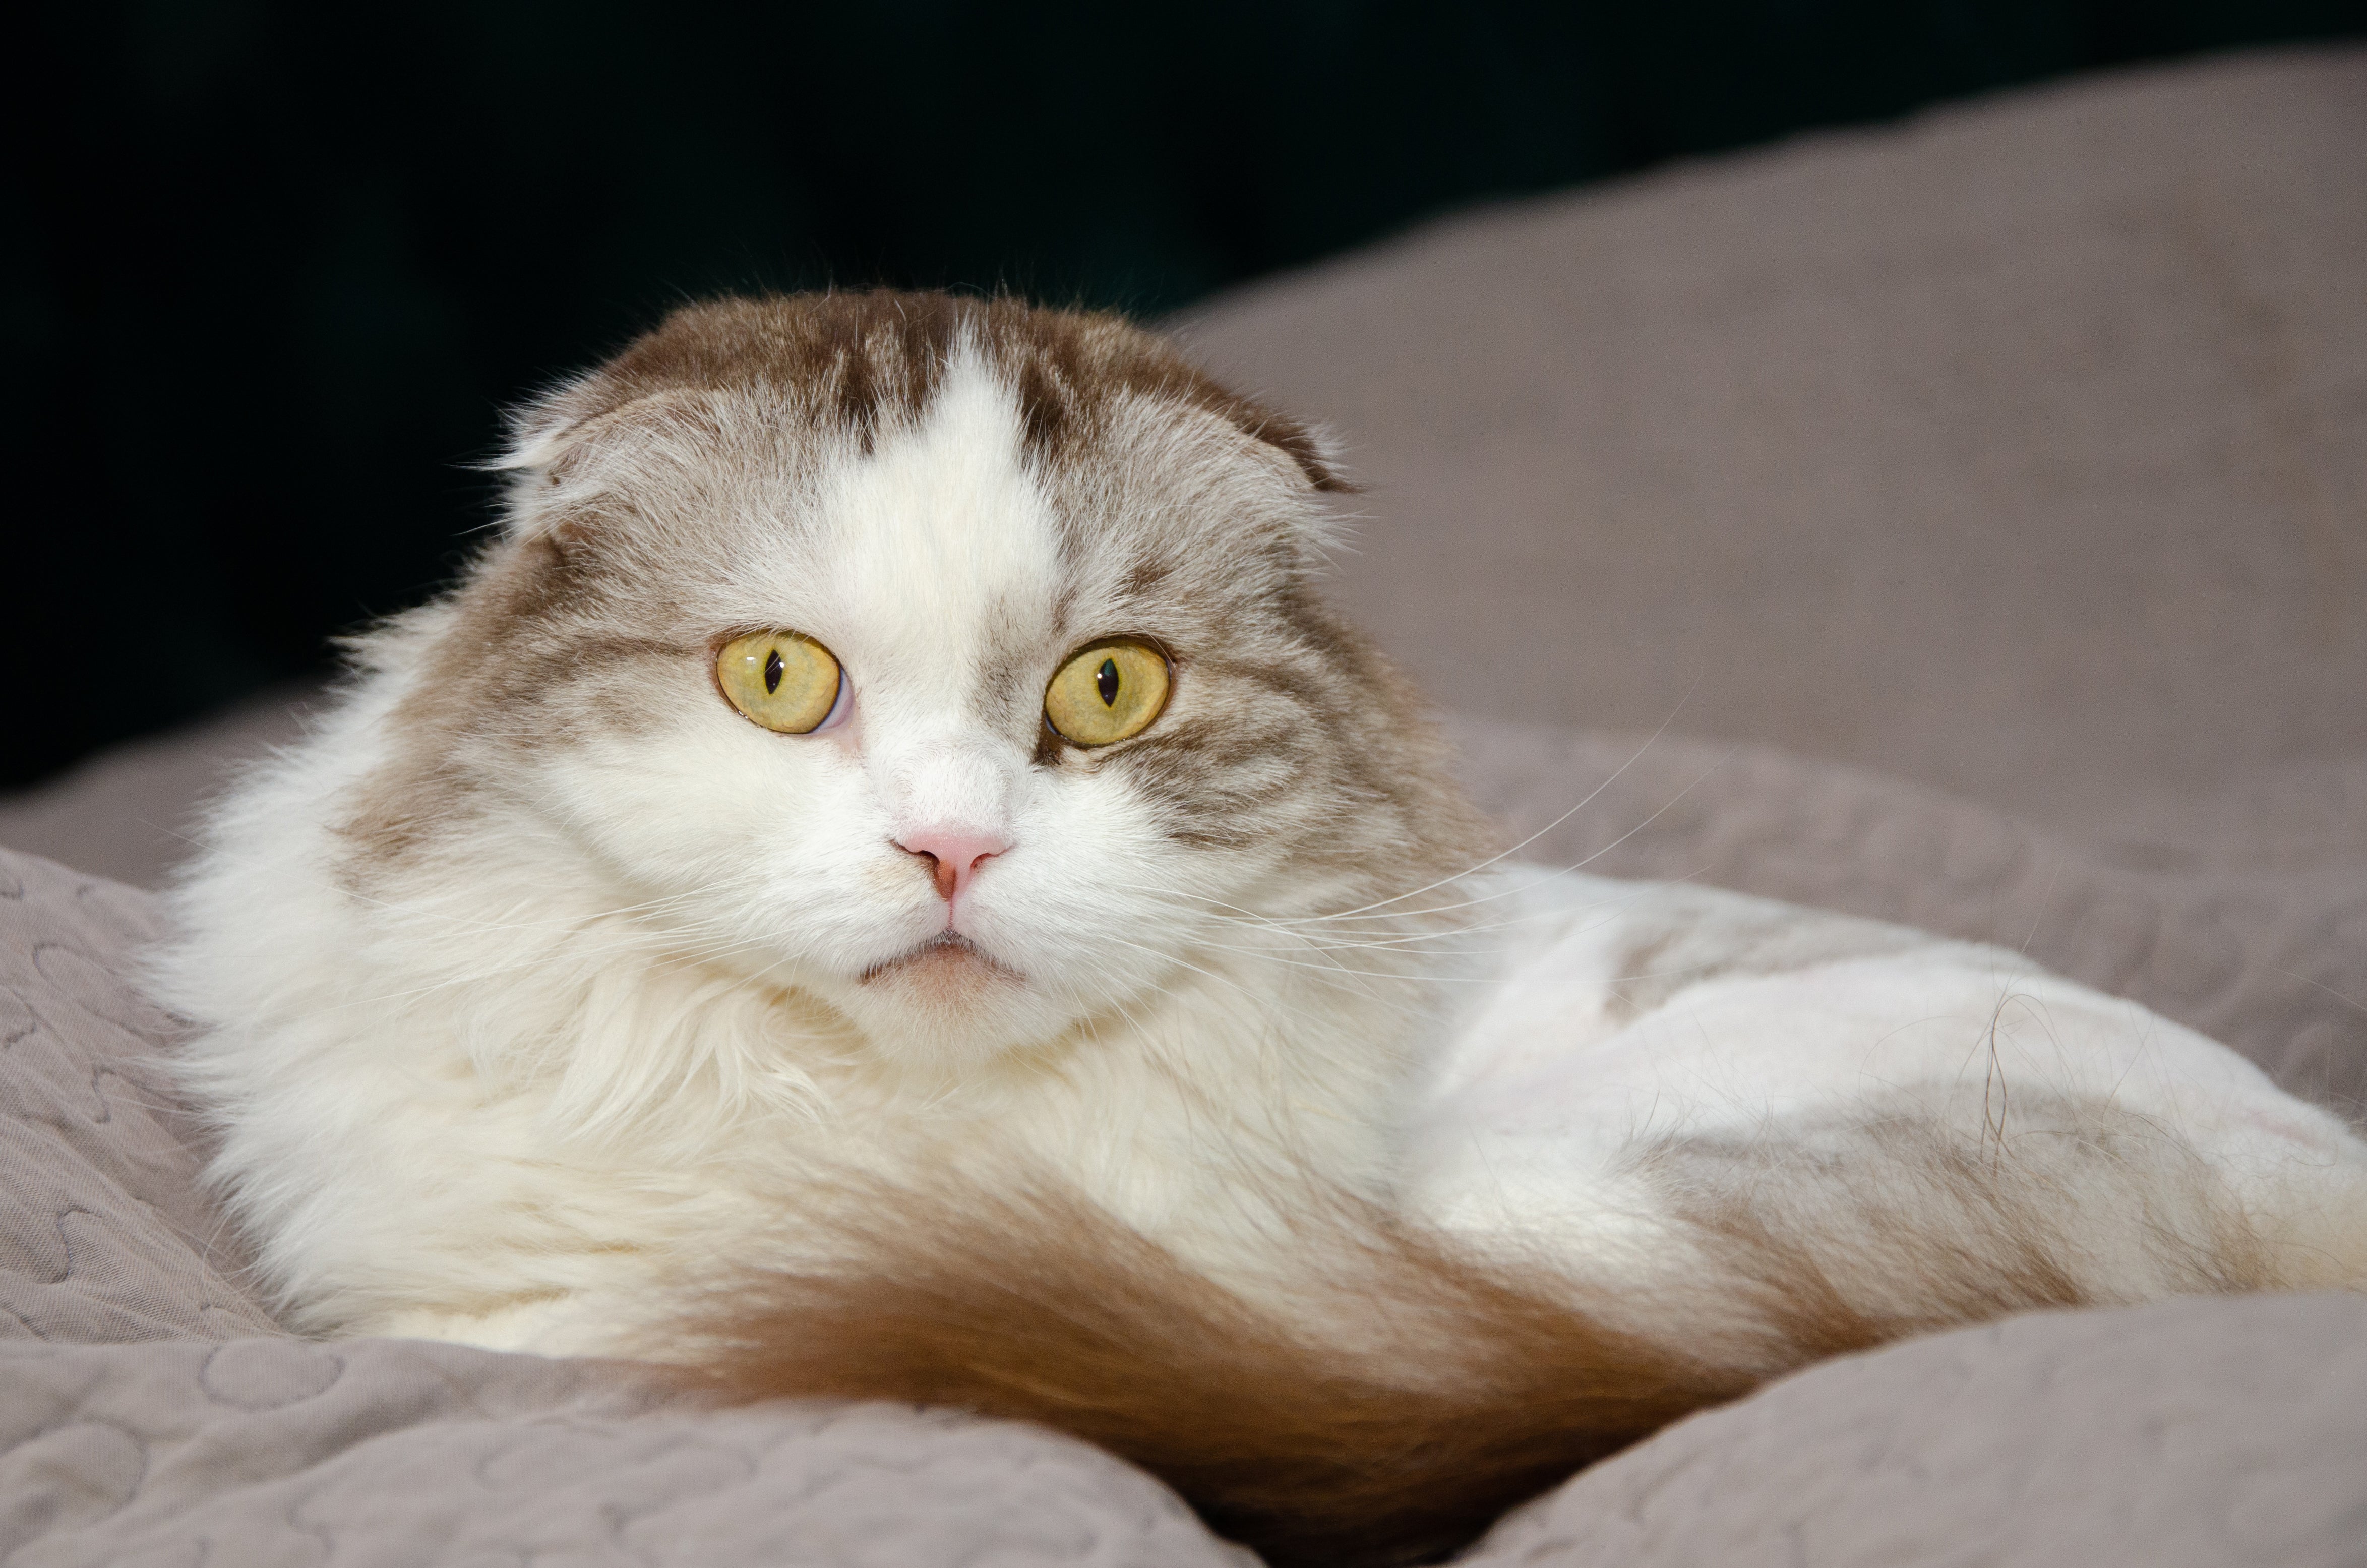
<point>885,879</point>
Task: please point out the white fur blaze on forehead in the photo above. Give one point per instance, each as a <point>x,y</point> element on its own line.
<point>939,528</point>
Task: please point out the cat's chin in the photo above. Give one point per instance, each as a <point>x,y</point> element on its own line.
<point>948,999</point>
<point>946,966</point>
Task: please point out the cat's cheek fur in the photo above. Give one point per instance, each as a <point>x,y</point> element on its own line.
<point>764,850</point>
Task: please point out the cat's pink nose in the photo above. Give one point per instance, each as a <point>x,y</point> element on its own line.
<point>954,857</point>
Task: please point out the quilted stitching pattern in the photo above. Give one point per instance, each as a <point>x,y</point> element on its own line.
<point>102,1238</point>
<point>269,1452</point>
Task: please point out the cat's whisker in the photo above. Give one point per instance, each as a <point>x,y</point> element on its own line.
<point>1413,944</point>
<point>1559,871</point>
<point>1505,854</point>
<point>537,961</point>
<point>1449,944</point>
<point>417,908</point>
<point>1221,911</point>
<point>1445,941</point>
<point>1250,921</point>
<point>1235,985</point>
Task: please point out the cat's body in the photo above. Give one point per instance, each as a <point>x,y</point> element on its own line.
<point>542,991</point>
<point>1833,1057</point>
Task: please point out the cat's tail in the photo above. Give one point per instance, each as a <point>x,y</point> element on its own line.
<point>1383,1406</point>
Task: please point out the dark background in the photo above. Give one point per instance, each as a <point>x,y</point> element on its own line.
<point>279,265</point>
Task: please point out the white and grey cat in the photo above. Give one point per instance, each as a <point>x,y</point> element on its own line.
<point>885,878</point>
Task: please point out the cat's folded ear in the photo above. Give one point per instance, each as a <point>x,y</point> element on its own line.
<point>544,433</point>
<point>554,438</point>
<point>1316,450</point>
<point>543,429</point>
<point>552,430</point>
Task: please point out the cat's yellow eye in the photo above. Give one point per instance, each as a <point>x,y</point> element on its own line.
<point>781,680</point>
<point>1107,691</point>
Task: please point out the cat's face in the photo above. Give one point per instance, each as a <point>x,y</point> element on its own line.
<point>949,511</point>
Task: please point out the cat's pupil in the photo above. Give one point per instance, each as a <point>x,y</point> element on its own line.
<point>772,672</point>
<point>1106,682</point>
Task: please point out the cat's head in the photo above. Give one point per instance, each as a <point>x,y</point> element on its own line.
<point>955,661</point>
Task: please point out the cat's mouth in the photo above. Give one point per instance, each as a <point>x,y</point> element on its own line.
<point>947,959</point>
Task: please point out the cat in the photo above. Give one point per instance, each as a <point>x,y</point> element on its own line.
<point>886,878</point>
